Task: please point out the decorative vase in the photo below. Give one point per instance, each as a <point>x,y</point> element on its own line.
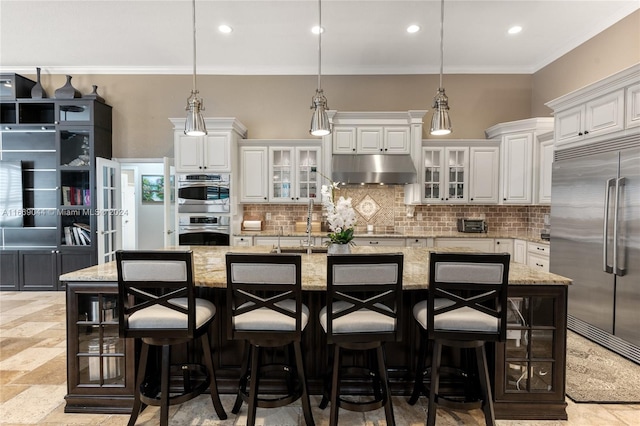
<point>94,95</point>
<point>37,92</point>
<point>67,91</point>
<point>335,248</point>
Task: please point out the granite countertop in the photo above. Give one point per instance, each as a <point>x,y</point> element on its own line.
<point>210,269</point>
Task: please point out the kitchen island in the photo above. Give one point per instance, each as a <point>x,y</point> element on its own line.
<point>528,370</point>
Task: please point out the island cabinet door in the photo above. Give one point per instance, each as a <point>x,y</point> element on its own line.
<point>530,365</point>
<point>100,365</point>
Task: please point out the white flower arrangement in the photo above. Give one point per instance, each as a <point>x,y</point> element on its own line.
<point>341,215</point>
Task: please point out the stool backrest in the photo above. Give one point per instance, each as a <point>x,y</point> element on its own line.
<point>468,296</point>
<point>262,282</point>
<point>369,283</point>
<point>150,279</point>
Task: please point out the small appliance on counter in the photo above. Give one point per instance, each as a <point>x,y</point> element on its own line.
<point>252,223</point>
<point>472,225</point>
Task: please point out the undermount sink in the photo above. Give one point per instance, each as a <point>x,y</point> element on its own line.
<point>299,250</point>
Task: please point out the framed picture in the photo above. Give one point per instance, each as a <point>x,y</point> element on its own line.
<point>152,188</point>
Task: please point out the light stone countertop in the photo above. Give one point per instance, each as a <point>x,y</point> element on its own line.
<point>209,265</point>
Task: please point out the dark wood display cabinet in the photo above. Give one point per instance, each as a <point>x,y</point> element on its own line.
<point>100,365</point>
<point>530,366</point>
<point>56,143</point>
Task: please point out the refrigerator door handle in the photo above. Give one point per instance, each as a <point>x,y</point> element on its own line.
<point>611,183</point>
<point>617,270</point>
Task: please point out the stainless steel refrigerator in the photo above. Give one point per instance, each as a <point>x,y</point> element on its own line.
<point>595,240</point>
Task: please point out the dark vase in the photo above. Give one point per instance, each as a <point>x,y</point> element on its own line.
<point>94,95</point>
<point>37,92</point>
<point>67,91</point>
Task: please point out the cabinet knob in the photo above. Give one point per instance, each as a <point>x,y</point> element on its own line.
<point>504,199</point>
<point>265,198</point>
<point>586,132</point>
<point>373,242</point>
<point>472,199</point>
<point>353,149</point>
<point>579,133</point>
<point>386,149</point>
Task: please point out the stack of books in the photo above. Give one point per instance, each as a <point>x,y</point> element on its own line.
<point>77,235</point>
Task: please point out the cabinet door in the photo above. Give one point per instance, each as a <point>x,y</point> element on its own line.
<point>242,241</point>
<point>456,170</point>
<point>9,271</point>
<point>369,140</point>
<point>386,242</point>
<point>253,169</point>
<point>545,165</point>
<point>344,140</point>
<point>504,245</point>
<point>517,155</point>
<point>217,152</point>
<point>569,125</point>
<point>307,177</point>
<point>633,106</point>
<point>432,159</point>
<point>484,175</point>
<point>520,251</point>
<point>38,270</point>
<point>396,140</point>
<point>604,114</point>
<point>189,152</point>
<point>71,260</point>
<point>281,176</point>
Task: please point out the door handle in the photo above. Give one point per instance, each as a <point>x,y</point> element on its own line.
<point>620,182</point>
<point>605,234</point>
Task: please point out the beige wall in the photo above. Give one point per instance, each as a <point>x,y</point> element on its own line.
<point>278,106</point>
<point>613,50</point>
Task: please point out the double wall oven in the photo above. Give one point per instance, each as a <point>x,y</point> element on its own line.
<point>203,209</point>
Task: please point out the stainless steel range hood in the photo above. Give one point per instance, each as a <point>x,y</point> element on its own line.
<point>374,168</point>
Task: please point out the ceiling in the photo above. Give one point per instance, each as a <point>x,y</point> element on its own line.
<point>273,37</point>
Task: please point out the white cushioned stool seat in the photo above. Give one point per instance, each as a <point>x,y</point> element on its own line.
<point>265,319</point>
<point>360,321</point>
<point>462,319</point>
<point>158,316</point>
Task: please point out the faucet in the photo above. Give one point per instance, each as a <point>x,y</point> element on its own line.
<point>309,213</point>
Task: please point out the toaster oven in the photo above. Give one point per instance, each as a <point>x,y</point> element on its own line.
<point>472,225</point>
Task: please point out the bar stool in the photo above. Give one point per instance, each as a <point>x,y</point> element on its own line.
<point>158,305</point>
<point>466,307</point>
<point>364,310</point>
<point>264,304</point>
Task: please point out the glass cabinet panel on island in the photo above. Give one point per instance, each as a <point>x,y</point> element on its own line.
<point>530,365</point>
<point>100,364</point>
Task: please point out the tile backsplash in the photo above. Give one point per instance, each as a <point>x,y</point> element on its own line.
<point>384,208</point>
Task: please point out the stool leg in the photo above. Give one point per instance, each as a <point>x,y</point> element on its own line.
<point>253,392</point>
<point>306,404</point>
<point>418,385</point>
<point>435,382</point>
<point>164,386</point>
<point>483,373</point>
<point>142,369</point>
<point>213,384</point>
<point>326,392</point>
<point>335,388</point>
<point>242,384</point>
<point>388,407</point>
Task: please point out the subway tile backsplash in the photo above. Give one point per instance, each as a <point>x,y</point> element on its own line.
<point>390,213</point>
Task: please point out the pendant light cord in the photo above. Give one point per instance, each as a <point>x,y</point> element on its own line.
<point>319,43</point>
<point>193,2</point>
<point>441,41</point>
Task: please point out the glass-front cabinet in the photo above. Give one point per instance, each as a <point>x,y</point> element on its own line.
<point>100,370</point>
<point>294,173</point>
<point>532,359</point>
<point>445,171</point>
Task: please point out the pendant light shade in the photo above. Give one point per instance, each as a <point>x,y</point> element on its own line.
<point>194,125</point>
<point>320,125</point>
<point>441,123</point>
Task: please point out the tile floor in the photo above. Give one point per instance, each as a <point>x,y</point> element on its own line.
<point>33,384</point>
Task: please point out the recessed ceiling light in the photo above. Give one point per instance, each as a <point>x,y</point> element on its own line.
<point>317,30</point>
<point>515,29</point>
<point>413,28</point>
<point>225,29</point>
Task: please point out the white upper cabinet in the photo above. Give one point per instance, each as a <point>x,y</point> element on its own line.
<point>375,132</point>
<point>520,166</point>
<point>484,174</point>
<point>282,171</point>
<point>445,173</point>
<point>544,166</point>
<point>603,110</point>
<point>209,153</point>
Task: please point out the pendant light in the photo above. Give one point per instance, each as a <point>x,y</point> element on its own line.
<point>194,126</point>
<point>441,123</point>
<point>319,120</point>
